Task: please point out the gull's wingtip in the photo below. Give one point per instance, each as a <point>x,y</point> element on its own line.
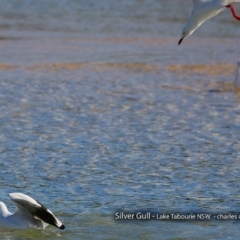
<point>180,41</point>
<point>62,227</point>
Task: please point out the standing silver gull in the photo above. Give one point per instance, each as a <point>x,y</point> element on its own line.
<point>29,213</point>
<point>236,82</point>
<point>204,10</point>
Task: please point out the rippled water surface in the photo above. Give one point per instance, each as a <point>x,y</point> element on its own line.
<point>101,111</point>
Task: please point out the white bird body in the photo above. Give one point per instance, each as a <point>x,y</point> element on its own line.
<point>17,219</point>
<point>236,82</point>
<point>29,213</point>
<point>202,11</point>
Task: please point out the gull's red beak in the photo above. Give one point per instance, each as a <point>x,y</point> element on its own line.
<point>180,41</point>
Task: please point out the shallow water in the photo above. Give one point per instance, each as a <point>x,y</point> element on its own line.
<point>100,110</point>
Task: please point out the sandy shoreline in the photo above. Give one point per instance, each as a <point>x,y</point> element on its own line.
<point>208,70</point>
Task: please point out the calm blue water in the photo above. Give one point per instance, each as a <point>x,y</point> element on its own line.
<point>100,110</point>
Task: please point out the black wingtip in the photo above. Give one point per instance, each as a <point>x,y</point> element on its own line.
<point>62,227</point>
<point>180,41</point>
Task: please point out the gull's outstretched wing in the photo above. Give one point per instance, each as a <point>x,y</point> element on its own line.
<point>35,208</point>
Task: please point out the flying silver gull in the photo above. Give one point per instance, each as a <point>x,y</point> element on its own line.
<point>28,213</point>
<point>204,10</point>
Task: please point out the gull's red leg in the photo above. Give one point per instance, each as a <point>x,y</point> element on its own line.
<point>233,12</point>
